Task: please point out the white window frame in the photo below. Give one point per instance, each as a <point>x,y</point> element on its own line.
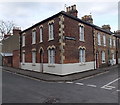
<point>82,55</point>
<point>51,56</point>
<point>23,57</point>
<point>103,57</point>
<point>99,39</point>
<point>114,42</point>
<point>110,42</point>
<point>23,40</point>
<point>81,33</point>
<point>104,40</point>
<point>41,34</point>
<point>34,37</point>
<point>51,31</point>
<point>34,57</point>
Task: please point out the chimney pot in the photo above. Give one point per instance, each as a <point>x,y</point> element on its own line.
<point>72,10</point>
<point>87,18</point>
<point>106,27</point>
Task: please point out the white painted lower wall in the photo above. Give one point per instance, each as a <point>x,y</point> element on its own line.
<point>59,69</point>
<point>76,67</point>
<point>30,66</point>
<point>119,60</point>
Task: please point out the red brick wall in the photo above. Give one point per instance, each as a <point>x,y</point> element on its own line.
<point>16,58</point>
<point>100,48</point>
<point>28,42</point>
<point>71,46</point>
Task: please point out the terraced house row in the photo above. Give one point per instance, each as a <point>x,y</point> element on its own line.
<point>63,44</point>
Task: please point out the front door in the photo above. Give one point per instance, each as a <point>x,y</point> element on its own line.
<point>41,61</point>
<point>97,60</point>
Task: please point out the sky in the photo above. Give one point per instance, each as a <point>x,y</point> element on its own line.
<point>26,14</point>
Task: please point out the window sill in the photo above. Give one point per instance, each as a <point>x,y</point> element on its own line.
<point>81,40</point>
<point>50,39</point>
<point>41,42</point>
<point>103,62</point>
<point>81,64</point>
<point>33,43</point>
<point>51,65</point>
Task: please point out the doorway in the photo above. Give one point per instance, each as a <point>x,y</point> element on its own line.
<point>97,60</point>
<point>41,60</point>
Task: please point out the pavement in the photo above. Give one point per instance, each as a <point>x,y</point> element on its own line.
<point>54,78</point>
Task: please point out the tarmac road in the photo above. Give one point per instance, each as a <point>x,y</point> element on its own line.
<point>101,88</point>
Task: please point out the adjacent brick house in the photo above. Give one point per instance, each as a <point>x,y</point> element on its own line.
<point>117,34</point>
<point>105,48</point>
<point>9,44</point>
<point>62,44</point>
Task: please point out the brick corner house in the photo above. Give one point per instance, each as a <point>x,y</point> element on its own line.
<point>63,44</point>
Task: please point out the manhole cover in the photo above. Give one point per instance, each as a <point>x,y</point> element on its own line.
<point>51,100</point>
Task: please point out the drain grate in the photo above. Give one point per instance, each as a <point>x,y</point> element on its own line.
<point>51,100</point>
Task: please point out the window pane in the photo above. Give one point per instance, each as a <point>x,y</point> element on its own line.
<point>41,33</point>
<point>33,37</point>
<point>33,57</point>
<point>81,29</point>
<point>99,39</point>
<point>51,32</point>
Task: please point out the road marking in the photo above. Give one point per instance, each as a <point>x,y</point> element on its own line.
<point>112,81</point>
<point>91,85</point>
<point>79,83</point>
<point>118,90</point>
<point>107,86</point>
<point>94,75</point>
<point>110,86</point>
<point>69,82</point>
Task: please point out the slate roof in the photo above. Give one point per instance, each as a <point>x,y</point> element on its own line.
<point>70,16</point>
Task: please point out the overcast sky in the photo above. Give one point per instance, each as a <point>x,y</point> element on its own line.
<point>25,14</point>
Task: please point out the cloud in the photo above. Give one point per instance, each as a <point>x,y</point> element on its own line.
<point>25,14</point>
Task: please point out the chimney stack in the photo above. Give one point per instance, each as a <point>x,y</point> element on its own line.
<point>16,30</point>
<point>88,18</point>
<point>117,32</point>
<point>72,10</point>
<point>106,27</point>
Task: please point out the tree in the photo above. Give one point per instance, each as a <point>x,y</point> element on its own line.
<point>5,27</point>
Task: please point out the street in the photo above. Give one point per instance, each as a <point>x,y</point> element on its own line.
<point>101,88</point>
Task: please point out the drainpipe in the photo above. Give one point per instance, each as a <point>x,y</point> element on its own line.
<point>117,50</point>
<point>20,51</point>
<point>93,47</point>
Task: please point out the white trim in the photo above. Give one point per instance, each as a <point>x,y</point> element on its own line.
<point>60,69</point>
